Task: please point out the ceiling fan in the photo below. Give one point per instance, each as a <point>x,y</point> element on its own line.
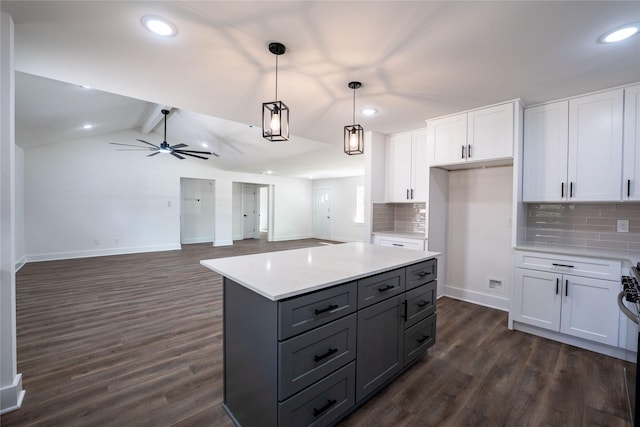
<point>174,150</point>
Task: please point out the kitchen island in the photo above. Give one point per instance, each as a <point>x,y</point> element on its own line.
<point>311,334</point>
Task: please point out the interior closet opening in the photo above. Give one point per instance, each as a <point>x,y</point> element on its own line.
<point>252,211</point>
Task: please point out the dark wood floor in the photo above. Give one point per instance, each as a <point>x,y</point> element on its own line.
<point>136,340</point>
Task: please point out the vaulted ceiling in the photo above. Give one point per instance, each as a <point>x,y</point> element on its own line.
<point>416,60</point>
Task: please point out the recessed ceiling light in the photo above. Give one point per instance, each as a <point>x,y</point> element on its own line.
<point>369,111</point>
<point>159,26</point>
<point>87,126</point>
<point>619,34</point>
<point>205,145</point>
<point>268,172</point>
<point>85,87</point>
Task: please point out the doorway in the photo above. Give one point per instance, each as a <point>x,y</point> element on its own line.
<point>196,210</point>
<point>252,211</point>
<point>323,198</point>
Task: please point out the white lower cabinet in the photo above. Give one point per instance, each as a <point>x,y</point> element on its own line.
<point>559,301</point>
<point>399,242</point>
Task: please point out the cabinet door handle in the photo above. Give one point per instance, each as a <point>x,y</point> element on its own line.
<point>325,408</point>
<point>329,352</point>
<point>562,191</point>
<point>386,288</point>
<point>566,288</point>
<point>571,189</point>
<point>405,304</point>
<point>462,157</point>
<point>469,151</point>
<point>628,188</point>
<point>562,265</point>
<point>407,194</point>
<point>557,285</point>
<point>422,339</point>
<point>324,310</point>
<point>412,194</point>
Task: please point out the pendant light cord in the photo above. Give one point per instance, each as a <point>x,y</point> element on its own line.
<point>354,105</point>
<point>276,77</point>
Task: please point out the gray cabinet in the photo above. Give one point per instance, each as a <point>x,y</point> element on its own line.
<point>311,359</point>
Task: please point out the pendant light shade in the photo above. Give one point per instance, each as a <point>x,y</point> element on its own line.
<point>354,134</point>
<point>275,115</point>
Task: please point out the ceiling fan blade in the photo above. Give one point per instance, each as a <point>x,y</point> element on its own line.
<point>179,146</point>
<point>142,140</point>
<point>134,149</point>
<point>173,153</point>
<point>194,151</point>
<point>192,155</point>
<point>153,154</point>
<point>131,145</point>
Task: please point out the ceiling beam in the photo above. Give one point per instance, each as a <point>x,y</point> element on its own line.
<point>154,118</point>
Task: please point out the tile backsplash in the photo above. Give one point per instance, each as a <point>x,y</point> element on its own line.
<point>590,225</point>
<point>400,217</point>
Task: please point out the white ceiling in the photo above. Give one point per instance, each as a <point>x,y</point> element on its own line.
<point>416,60</point>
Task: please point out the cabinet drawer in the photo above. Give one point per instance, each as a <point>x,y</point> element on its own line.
<point>306,312</point>
<point>323,402</point>
<point>421,273</point>
<point>306,358</point>
<point>596,268</point>
<point>419,338</point>
<point>399,242</point>
<point>421,303</point>
<point>380,287</point>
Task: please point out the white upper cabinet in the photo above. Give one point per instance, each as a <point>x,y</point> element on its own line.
<point>475,136</point>
<point>545,150</point>
<point>406,167</point>
<point>448,138</point>
<point>573,149</point>
<point>490,133</point>
<point>631,167</point>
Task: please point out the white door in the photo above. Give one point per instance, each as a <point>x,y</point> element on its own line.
<point>590,310</point>
<point>537,298</point>
<point>490,133</point>
<point>595,146</point>
<point>322,213</point>
<point>249,216</point>
<point>631,176</point>
<point>544,170</point>
<point>196,210</point>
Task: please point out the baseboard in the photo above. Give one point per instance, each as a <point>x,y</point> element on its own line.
<point>223,243</point>
<point>475,297</point>
<point>11,396</point>
<point>20,263</point>
<point>192,240</point>
<point>619,353</point>
<point>101,252</point>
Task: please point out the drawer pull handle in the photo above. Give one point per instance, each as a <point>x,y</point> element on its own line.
<point>325,408</point>
<point>422,303</point>
<point>562,265</point>
<point>398,244</point>
<point>421,274</point>
<point>386,288</point>
<point>324,310</point>
<point>423,339</point>
<point>329,352</point>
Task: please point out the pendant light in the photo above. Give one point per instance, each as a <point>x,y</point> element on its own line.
<point>354,134</point>
<point>275,115</point>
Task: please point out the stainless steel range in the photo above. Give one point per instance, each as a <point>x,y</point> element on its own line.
<point>629,303</point>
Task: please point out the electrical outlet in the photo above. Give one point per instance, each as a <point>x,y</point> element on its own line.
<point>623,226</point>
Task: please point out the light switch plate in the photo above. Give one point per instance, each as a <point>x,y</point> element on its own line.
<point>623,226</point>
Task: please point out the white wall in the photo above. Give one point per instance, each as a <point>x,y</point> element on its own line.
<point>343,208</point>
<point>479,235</point>
<point>85,198</point>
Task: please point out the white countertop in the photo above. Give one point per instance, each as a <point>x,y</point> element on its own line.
<point>617,254</point>
<point>284,274</point>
